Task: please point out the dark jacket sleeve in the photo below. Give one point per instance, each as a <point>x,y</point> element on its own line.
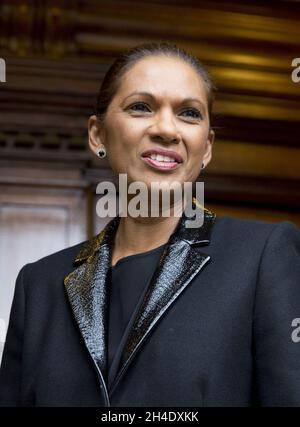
<point>11,366</point>
<point>277,304</point>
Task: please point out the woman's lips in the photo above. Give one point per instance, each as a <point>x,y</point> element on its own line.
<point>160,165</point>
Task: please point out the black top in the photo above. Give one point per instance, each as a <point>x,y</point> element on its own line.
<point>129,278</point>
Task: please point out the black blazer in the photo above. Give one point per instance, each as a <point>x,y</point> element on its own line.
<point>213,329</point>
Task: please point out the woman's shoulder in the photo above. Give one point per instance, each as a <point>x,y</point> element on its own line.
<point>235,229</point>
<point>56,264</point>
<point>237,223</point>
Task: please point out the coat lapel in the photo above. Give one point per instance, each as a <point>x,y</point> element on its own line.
<point>88,293</point>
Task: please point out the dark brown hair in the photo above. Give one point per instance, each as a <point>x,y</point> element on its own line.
<point>126,60</point>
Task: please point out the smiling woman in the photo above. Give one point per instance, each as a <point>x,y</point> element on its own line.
<point>150,312</point>
<point>153,119</point>
<point>159,117</point>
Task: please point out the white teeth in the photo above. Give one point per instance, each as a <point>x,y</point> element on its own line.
<point>161,158</point>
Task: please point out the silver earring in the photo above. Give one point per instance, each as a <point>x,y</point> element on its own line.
<point>202,167</point>
<point>101,152</point>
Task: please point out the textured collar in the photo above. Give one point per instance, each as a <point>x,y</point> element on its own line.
<point>193,236</point>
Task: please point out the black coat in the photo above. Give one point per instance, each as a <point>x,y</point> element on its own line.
<point>214,329</point>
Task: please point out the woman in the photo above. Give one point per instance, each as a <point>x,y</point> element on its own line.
<point>151,312</point>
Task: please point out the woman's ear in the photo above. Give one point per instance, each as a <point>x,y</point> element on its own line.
<point>208,150</point>
<point>95,134</point>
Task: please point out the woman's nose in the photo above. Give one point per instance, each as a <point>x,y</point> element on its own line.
<point>165,128</point>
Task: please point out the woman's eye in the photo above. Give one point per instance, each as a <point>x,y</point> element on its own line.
<point>137,106</point>
<point>196,113</point>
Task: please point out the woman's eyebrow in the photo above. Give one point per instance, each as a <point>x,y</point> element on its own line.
<point>189,99</point>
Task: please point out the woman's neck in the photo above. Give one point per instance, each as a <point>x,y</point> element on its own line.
<point>141,234</point>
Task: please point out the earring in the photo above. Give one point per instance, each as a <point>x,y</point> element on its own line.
<point>202,167</point>
<point>101,152</point>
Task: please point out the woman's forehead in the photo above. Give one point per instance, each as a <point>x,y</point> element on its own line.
<point>161,75</point>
